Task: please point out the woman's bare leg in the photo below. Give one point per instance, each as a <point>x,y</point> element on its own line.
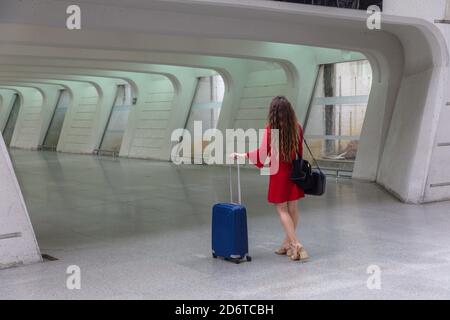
<point>287,223</point>
<point>293,212</point>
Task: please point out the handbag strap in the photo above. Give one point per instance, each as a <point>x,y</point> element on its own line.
<point>310,152</point>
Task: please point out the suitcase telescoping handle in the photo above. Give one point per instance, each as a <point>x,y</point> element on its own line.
<point>231,183</point>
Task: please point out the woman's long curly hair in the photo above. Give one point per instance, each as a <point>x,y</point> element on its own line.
<point>282,117</point>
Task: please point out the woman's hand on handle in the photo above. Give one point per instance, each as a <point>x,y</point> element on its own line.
<point>236,155</point>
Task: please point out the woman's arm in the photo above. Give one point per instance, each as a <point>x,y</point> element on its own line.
<point>258,156</point>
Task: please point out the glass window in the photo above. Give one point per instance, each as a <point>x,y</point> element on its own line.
<point>118,121</point>
<point>12,119</point>
<point>337,113</point>
<point>56,124</point>
<point>206,109</point>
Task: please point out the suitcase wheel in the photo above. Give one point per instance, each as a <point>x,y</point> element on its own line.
<point>234,260</point>
<point>214,256</point>
<point>249,258</point>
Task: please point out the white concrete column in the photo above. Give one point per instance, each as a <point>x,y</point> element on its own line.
<point>38,102</point>
<point>235,81</point>
<point>184,96</point>
<point>302,86</point>
<point>417,145</point>
<point>370,143</point>
<point>6,103</point>
<point>28,120</point>
<point>148,118</point>
<point>163,104</point>
<point>76,91</point>
<point>87,115</point>
<point>18,243</point>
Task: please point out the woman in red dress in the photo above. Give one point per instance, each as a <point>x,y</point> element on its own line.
<point>283,140</point>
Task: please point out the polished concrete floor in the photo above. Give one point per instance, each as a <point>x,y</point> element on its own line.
<point>141,229</point>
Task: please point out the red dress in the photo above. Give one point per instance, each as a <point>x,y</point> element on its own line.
<point>281,188</point>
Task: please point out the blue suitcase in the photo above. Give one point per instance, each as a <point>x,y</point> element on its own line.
<point>229,228</point>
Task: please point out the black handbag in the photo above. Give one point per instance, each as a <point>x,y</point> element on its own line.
<point>313,182</point>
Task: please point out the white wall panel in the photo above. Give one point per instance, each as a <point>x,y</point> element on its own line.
<point>152,119</point>
<point>26,131</point>
<point>261,87</point>
<point>78,125</point>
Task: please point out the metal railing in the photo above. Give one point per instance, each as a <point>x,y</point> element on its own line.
<point>110,153</point>
<point>46,148</point>
<point>347,4</point>
<point>337,168</point>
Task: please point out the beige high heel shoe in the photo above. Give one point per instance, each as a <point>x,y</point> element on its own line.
<point>299,253</point>
<point>303,254</point>
<point>283,251</point>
